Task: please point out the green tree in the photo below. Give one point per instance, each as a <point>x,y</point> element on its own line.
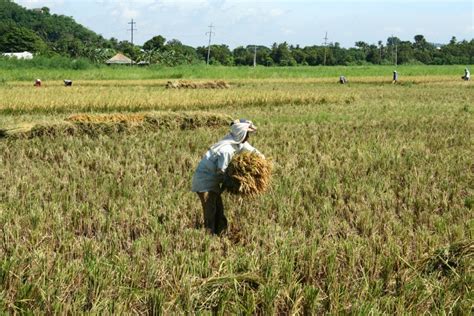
<point>314,55</point>
<point>423,51</point>
<point>19,39</point>
<point>242,56</point>
<point>392,46</point>
<point>58,33</point>
<point>45,10</point>
<point>405,53</point>
<point>183,54</point>
<point>155,43</point>
<point>337,55</point>
<point>281,55</point>
<point>363,46</point>
<point>373,55</point>
<point>355,56</point>
<point>220,55</point>
<point>381,50</point>
<point>299,55</point>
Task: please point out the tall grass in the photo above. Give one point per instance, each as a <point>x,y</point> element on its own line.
<point>62,68</point>
<point>370,181</point>
<point>40,62</point>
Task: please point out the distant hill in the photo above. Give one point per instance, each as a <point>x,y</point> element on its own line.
<point>39,31</point>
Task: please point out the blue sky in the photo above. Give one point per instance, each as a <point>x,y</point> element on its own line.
<point>242,22</point>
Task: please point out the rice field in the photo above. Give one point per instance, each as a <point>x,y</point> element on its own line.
<point>369,210</point>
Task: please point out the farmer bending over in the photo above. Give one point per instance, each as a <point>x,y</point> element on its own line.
<point>467,75</point>
<point>209,175</point>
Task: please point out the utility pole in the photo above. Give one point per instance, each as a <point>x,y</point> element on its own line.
<point>209,45</point>
<point>396,54</point>
<point>325,47</point>
<point>380,51</point>
<point>255,56</point>
<point>132,28</point>
<point>396,50</point>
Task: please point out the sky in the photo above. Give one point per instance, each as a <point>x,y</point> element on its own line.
<point>249,22</point>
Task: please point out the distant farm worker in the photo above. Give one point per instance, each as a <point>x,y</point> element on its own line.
<point>395,76</point>
<point>342,80</point>
<point>68,83</point>
<point>209,176</point>
<point>467,75</point>
<point>37,83</point>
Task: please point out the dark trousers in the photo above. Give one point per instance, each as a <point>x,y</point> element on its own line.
<point>214,218</point>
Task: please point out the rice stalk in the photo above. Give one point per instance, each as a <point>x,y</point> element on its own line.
<point>248,174</point>
<point>448,259</point>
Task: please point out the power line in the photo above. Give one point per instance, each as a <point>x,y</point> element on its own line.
<point>209,45</point>
<point>396,54</point>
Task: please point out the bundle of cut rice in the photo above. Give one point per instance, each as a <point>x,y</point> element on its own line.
<point>186,84</point>
<point>107,118</point>
<point>106,124</point>
<point>248,174</point>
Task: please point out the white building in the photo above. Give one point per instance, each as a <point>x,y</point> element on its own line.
<point>23,55</point>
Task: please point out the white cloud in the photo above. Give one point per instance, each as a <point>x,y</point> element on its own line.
<point>393,29</point>
<point>287,31</point>
<point>421,30</point>
<point>239,22</point>
<point>28,2</point>
<point>39,3</point>
<point>276,12</point>
<point>128,13</point>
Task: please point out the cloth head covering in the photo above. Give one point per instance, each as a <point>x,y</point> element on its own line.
<point>238,131</point>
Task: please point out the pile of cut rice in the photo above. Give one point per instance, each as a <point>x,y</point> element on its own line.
<point>186,84</point>
<point>106,124</point>
<point>107,118</point>
<point>248,174</point>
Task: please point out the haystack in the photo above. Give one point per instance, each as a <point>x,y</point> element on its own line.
<point>248,174</point>
<point>107,118</point>
<point>119,59</point>
<point>185,84</point>
<point>106,124</point>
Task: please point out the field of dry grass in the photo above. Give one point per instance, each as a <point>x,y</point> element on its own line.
<point>370,209</point>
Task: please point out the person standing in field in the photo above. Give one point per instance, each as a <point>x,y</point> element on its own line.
<point>467,75</point>
<point>209,176</point>
<point>395,77</point>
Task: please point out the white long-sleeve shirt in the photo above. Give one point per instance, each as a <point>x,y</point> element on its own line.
<point>210,171</point>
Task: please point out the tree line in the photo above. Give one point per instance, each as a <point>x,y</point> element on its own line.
<point>48,34</point>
